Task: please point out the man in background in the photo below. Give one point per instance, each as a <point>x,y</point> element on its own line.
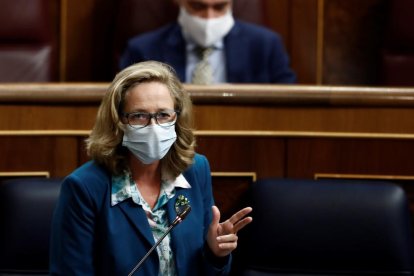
<point>207,45</point>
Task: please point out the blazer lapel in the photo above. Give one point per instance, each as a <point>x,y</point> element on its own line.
<point>177,232</point>
<point>137,217</point>
<point>174,52</point>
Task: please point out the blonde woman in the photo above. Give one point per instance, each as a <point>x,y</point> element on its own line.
<point>114,208</point>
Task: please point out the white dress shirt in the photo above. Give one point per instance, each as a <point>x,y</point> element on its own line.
<point>217,61</point>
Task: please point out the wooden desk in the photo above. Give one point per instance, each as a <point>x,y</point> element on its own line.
<point>270,130</point>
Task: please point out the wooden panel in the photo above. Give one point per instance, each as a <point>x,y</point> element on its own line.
<point>86,40</point>
<point>271,130</point>
<point>352,42</point>
<point>56,155</point>
<point>76,42</point>
<point>28,174</point>
<point>266,156</point>
<point>222,108</point>
<point>262,155</point>
<point>303,39</point>
<point>343,119</point>
<point>47,117</point>
<point>277,14</point>
<point>307,157</point>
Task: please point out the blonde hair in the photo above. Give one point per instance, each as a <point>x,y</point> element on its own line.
<point>104,144</point>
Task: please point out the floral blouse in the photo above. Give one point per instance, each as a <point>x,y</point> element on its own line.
<point>123,187</point>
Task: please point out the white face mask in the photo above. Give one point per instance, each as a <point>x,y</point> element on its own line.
<point>150,143</point>
<point>205,32</point>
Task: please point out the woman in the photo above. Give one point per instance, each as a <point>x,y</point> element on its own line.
<point>113,209</point>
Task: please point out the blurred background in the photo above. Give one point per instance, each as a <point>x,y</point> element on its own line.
<point>333,42</point>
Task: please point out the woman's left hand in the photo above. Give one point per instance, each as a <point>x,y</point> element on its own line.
<point>222,237</point>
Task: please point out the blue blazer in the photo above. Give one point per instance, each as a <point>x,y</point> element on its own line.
<point>90,237</point>
<point>254,54</point>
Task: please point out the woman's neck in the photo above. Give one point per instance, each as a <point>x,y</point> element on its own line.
<point>141,170</point>
<point>147,178</point>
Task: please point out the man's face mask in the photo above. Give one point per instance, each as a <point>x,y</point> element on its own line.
<point>205,32</point>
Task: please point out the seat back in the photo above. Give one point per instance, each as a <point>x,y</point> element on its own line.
<point>324,227</point>
<point>26,208</point>
<point>27,47</point>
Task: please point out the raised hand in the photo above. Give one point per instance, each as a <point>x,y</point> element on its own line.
<point>222,237</point>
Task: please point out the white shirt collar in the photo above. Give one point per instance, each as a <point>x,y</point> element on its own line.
<point>191,45</point>
<point>121,187</point>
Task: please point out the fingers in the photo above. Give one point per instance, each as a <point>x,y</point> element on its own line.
<point>235,223</point>
<point>227,238</point>
<point>227,242</point>
<point>241,224</point>
<point>216,216</point>
<point>227,248</point>
<point>222,237</point>
<point>240,214</point>
<point>215,222</point>
<point>238,220</point>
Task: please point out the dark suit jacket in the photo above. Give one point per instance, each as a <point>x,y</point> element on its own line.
<point>90,237</point>
<point>253,54</point>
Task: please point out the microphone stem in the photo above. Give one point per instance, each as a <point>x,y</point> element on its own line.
<point>175,222</point>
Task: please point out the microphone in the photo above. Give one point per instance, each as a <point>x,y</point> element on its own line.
<point>182,214</point>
